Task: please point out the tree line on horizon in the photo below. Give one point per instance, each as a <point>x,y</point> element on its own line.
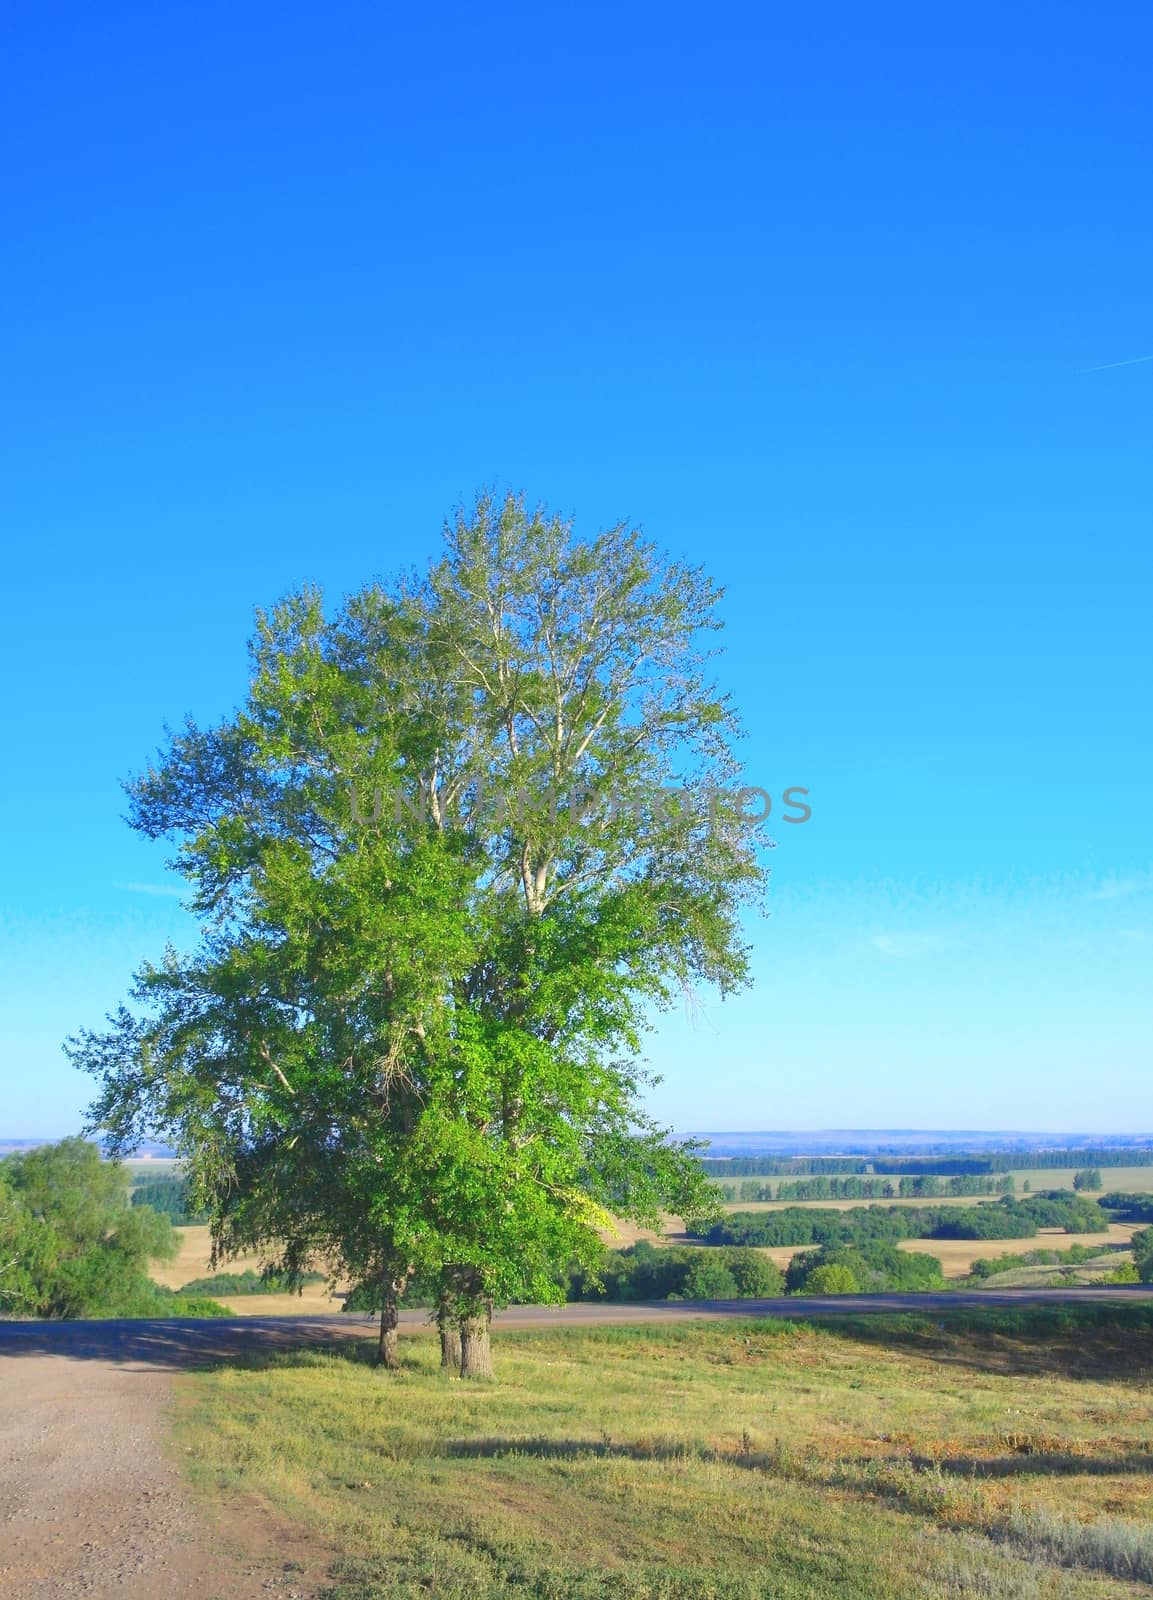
<point>1008,1218</point>
<point>975,1163</point>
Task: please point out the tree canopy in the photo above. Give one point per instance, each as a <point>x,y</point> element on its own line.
<point>71,1244</point>
<point>459,843</point>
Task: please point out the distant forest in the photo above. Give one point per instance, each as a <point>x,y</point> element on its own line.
<point>1002,1219</point>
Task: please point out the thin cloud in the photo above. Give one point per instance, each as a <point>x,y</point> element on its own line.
<point>1108,366</point>
<point>167,889</point>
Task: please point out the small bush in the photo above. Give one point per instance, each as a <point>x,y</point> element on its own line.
<point>1122,1549</point>
<point>831,1279</point>
<point>249,1282</point>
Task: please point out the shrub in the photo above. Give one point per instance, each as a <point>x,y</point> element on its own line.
<point>875,1267</point>
<point>831,1279</point>
<point>645,1272</point>
<point>1126,1273</point>
<point>709,1280</point>
<point>757,1277</point>
<point>1122,1549</point>
<point>1143,1255</point>
<point>249,1282</point>
<point>1128,1207</point>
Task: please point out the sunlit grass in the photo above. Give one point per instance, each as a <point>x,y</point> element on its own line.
<point>751,1459</point>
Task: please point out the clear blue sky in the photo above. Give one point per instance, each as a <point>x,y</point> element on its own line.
<point>807,291</point>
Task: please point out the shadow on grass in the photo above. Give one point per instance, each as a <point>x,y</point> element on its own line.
<point>1091,1342</point>
<point>786,1463</point>
<point>1038,1464</point>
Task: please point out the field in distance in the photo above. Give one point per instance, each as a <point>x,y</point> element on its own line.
<point>192,1262</point>
<point>1129,1180</point>
<point>955,1255</point>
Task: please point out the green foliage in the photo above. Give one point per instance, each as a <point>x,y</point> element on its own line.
<point>421,1289</point>
<point>873,1266</point>
<point>991,1266</point>
<point>1021,1219</point>
<point>646,1272</point>
<point>170,1196</point>
<point>1009,1218</point>
<point>821,1189</point>
<point>709,1279</point>
<point>409,1041</point>
<point>1127,1272</point>
<point>833,1277</point>
<point>796,1226</point>
<point>1128,1207</point>
<point>1143,1254</point>
<point>1088,1178</point>
<point>249,1282</point>
<point>781,1166</point>
<point>71,1244</point>
<point>959,1163</point>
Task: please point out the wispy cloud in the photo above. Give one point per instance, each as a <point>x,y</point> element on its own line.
<point>1134,361</point>
<point>170,890</point>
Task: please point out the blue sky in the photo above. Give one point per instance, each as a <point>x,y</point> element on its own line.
<point>809,292</point>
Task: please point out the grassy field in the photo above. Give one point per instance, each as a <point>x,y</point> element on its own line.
<point>192,1262</point>
<point>989,1456</point>
<point>957,1255</point>
<point>1130,1180</point>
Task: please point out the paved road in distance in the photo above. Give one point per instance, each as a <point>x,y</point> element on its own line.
<point>185,1342</point>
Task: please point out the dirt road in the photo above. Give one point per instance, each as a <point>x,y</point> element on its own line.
<point>89,1504</point>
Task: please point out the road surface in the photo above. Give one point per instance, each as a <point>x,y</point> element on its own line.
<point>185,1342</point>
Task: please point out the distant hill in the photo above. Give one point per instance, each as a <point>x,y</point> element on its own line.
<point>148,1148</point>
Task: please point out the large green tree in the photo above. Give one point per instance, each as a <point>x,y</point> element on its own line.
<point>460,843</point>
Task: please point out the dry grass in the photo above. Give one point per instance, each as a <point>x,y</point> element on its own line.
<point>957,1255</point>
<point>991,1457</point>
<point>192,1262</point>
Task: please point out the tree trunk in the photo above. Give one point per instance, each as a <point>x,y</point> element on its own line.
<point>388,1350</point>
<point>476,1345</point>
<point>449,1327</point>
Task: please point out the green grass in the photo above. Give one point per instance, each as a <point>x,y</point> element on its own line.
<point>902,1457</point>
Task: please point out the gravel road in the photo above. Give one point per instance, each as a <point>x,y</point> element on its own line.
<point>89,1504</point>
